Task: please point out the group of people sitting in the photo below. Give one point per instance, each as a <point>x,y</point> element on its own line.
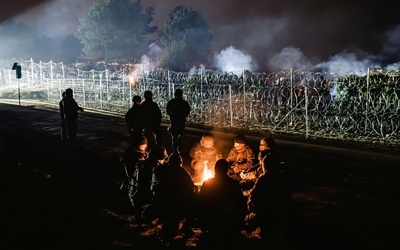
<point>242,193</point>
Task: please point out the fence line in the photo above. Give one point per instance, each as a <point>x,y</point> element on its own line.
<point>309,104</point>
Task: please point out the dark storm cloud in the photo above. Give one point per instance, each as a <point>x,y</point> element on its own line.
<point>315,31</point>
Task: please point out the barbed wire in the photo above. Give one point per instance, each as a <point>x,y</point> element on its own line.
<point>311,104</point>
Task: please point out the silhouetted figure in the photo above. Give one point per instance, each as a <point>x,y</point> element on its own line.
<point>64,134</point>
<point>222,208</point>
<point>240,158</point>
<point>267,147</point>
<point>270,203</point>
<point>71,107</point>
<point>143,195</point>
<point>134,159</point>
<point>157,158</point>
<point>178,110</point>
<point>132,116</point>
<point>175,195</point>
<point>150,118</point>
<point>204,156</point>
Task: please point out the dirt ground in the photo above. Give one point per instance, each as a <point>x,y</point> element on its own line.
<point>58,195</point>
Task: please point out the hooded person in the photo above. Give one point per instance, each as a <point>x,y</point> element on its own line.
<point>204,156</point>
<point>134,158</point>
<point>240,158</point>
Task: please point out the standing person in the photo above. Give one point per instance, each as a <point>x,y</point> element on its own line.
<point>64,134</point>
<point>132,116</point>
<point>204,156</point>
<point>240,158</point>
<point>222,208</point>
<point>71,107</point>
<point>175,195</point>
<point>150,118</point>
<point>178,110</point>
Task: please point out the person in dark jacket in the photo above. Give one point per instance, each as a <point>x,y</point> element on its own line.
<point>150,118</point>
<point>143,195</point>
<point>134,158</point>
<point>175,195</point>
<point>270,203</point>
<point>71,108</point>
<point>267,148</point>
<point>178,110</point>
<point>132,116</point>
<point>222,207</point>
<point>64,134</point>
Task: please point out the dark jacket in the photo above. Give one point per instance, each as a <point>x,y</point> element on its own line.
<point>178,109</point>
<point>71,108</point>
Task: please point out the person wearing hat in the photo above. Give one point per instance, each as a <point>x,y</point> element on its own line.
<point>178,110</point>
<point>132,116</point>
<point>204,156</point>
<point>134,158</point>
<point>240,158</point>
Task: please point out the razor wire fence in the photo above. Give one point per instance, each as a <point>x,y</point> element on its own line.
<point>360,107</point>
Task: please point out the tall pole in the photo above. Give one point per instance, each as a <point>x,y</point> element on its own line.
<point>19,93</point>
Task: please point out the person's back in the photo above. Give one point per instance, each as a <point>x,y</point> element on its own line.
<point>178,110</point>
<point>64,134</point>
<point>222,205</point>
<point>71,107</point>
<point>270,203</point>
<point>175,194</point>
<point>132,115</point>
<point>150,118</point>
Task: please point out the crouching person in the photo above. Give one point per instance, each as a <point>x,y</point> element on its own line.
<point>222,208</point>
<point>270,204</point>
<point>174,195</point>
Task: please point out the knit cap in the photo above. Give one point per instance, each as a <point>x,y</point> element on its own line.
<point>240,139</point>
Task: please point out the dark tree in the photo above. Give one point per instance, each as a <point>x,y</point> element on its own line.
<point>115,30</point>
<point>186,38</point>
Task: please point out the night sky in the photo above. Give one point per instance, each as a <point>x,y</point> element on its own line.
<point>308,32</point>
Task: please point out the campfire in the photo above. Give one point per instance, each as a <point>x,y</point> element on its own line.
<point>207,174</point>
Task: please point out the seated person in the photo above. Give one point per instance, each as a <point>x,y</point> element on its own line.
<point>204,156</point>
<point>240,158</point>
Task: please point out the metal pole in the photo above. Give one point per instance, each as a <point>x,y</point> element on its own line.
<point>306,106</point>
<point>19,93</point>
<point>230,104</point>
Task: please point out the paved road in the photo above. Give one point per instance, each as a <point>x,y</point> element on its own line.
<point>347,197</point>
